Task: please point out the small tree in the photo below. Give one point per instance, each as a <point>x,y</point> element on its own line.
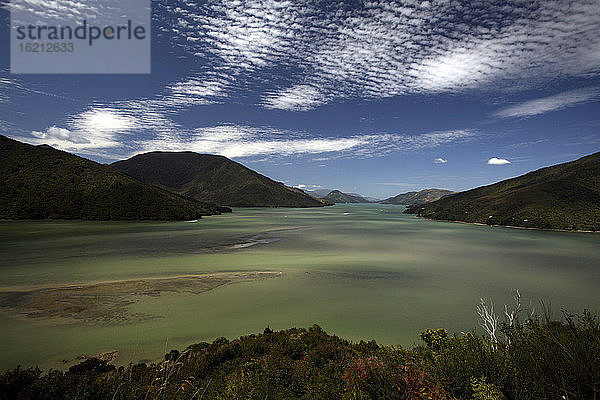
<point>488,321</point>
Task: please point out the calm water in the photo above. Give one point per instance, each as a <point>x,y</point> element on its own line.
<point>360,271</point>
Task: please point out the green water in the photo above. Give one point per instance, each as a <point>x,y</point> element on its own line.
<point>359,271</point>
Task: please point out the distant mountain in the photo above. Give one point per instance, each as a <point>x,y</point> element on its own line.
<point>369,199</point>
<point>423,196</point>
<point>564,196</point>
<point>322,193</point>
<point>335,196</point>
<point>213,179</point>
<point>319,193</point>
<point>42,182</point>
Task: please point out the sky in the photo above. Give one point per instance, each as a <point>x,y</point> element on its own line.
<point>375,97</point>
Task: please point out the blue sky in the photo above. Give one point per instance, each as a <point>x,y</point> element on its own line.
<point>375,97</point>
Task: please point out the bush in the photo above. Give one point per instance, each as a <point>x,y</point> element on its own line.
<point>543,358</point>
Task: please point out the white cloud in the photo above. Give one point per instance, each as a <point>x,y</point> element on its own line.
<point>551,103</point>
<point>57,10</point>
<point>6,85</point>
<point>498,161</point>
<point>308,187</point>
<point>199,90</point>
<point>103,122</point>
<point>311,54</point>
<point>84,142</point>
<point>297,98</point>
<point>88,132</point>
<point>440,160</point>
<point>233,141</point>
<point>103,131</point>
<point>55,133</point>
<point>225,133</point>
<point>196,87</point>
<point>247,141</point>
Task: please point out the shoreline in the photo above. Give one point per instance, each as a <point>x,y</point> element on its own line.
<point>506,226</point>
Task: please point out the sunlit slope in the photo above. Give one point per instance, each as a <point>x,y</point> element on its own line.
<point>420,197</point>
<point>335,196</point>
<point>213,178</point>
<point>563,196</point>
<point>41,182</point>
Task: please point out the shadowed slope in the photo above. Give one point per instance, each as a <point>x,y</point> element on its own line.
<point>42,182</point>
<point>213,178</point>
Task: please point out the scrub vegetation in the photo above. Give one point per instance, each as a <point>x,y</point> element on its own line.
<point>539,358</point>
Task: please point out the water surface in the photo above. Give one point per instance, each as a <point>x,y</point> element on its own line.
<point>359,271</point>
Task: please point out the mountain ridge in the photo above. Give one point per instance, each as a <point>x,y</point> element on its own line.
<point>564,196</point>
<point>337,196</point>
<point>213,178</point>
<point>40,182</point>
<point>420,197</point>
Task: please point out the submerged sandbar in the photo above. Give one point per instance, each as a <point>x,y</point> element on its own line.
<point>107,302</point>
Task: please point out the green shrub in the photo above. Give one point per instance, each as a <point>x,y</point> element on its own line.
<point>541,359</point>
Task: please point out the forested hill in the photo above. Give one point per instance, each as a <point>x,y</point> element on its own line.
<point>213,178</point>
<point>335,196</point>
<point>420,197</point>
<point>39,182</point>
<point>563,196</point>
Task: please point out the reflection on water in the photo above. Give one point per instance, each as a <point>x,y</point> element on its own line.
<point>360,271</point>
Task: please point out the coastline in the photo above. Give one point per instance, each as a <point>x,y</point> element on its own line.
<point>506,226</point>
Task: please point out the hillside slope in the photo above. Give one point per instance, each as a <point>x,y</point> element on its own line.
<point>335,196</point>
<point>563,196</point>
<point>420,197</point>
<point>42,182</point>
<point>214,179</point>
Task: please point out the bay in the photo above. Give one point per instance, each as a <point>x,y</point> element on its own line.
<point>362,271</point>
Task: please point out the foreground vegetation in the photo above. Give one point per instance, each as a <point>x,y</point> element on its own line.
<point>564,196</point>
<point>542,358</point>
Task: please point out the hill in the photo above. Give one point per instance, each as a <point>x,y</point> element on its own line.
<point>420,197</point>
<point>335,196</point>
<point>319,193</point>
<point>42,182</point>
<point>564,196</point>
<point>214,179</point>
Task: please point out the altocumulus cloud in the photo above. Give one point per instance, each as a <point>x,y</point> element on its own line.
<point>317,52</point>
<point>498,161</point>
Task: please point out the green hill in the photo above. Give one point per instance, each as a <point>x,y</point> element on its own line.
<point>420,197</point>
<point>335,196</point>
<point>564,196</point>
<point>42,182</point>
<point>214,179</point>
